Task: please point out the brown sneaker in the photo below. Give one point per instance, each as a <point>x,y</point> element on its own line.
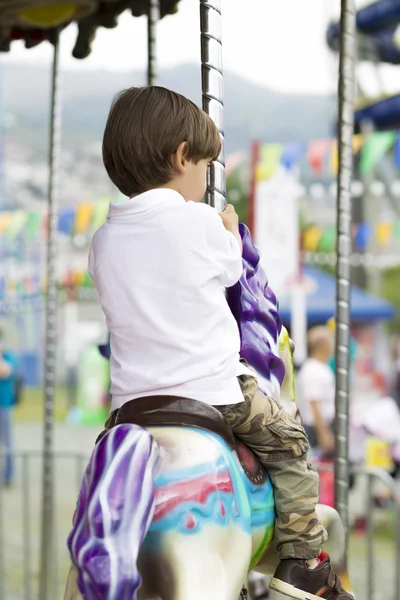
<point>295,579</point>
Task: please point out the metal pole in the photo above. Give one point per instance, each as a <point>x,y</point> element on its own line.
<point>346,120</point>
<point>152,20</point>
<point>2,542</point>
<point>51,333</point>
<point>26,507</point>
<point>213,93</point>
<point>370,539</point>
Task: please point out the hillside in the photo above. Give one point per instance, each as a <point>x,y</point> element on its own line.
<point>251,111</point>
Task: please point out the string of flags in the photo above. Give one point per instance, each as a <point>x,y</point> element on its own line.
<point>323,239</point>
<point>357,259</point>
<point>321,155</point>
<point>35,283</point>
<point>33,225</point>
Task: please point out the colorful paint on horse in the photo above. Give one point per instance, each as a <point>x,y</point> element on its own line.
<point>219,493</point>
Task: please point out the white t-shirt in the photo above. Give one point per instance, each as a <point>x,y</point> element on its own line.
<point>160,265</point>
<point>316,383</point>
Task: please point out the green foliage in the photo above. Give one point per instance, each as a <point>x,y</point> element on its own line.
<point>237,193</point>
<point>391,292</point>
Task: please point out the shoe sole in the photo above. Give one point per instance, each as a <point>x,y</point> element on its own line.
<point>289,590</point>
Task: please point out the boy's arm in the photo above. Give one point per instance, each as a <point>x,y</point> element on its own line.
<point>230,220</point>
<point>325,438</point>
<point>224,245</point>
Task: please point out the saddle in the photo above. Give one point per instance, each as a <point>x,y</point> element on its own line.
<point>163,411</point>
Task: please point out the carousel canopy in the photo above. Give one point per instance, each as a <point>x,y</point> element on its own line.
<point>35,21</point>
<point>378,22</point>
<point>365,307</point>
<point>384,114</point>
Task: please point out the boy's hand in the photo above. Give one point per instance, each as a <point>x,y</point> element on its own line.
<point>230,220</point>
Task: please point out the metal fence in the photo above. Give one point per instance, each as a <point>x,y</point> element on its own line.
<point>20,514</point>
<point>20,524</point>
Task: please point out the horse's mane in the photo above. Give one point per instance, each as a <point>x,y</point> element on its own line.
<point>113,514</point>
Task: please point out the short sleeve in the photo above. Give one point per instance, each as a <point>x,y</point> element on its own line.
<point>224,249</point>
<point>92,260</point>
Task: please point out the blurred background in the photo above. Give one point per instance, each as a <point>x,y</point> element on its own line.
<point>281,77</point>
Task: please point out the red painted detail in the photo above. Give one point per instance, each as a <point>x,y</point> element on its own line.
<point>190,522</point>
<point>223,511</point>
<point>197,490</point>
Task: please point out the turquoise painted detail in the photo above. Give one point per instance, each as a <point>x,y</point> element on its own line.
<point>249,506</point>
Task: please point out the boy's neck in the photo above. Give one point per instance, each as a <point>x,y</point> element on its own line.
<point>171,185</point>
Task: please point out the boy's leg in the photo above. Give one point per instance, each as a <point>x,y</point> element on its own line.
<point>304,572</point>
<point>281,444</point>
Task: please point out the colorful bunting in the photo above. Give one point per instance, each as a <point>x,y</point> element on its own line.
<point>16,224</point>
<point>32,225</point>
<point>375,147</point>
<point>396,230</point>
<point>100,213</point>
<point>270,156</point>
<point>317,150</point>
<point>396,152</point>
<point>5,220</point>
<point>292,154</point>
<point>384,233</point>
<point>323,239</point>
<point>363,236</point>
<point>66,220</point>
<point>327,242</point>
<point>358,141</point>
<point>83,217</point>
<point>311,238</point>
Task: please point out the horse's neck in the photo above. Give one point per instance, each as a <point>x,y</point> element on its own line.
<point>263,339</point>
<point>255,309</point>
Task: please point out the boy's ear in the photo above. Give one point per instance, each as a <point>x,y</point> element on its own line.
<point>179,160</point>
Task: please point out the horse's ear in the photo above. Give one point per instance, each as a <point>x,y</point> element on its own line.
<point>286,348</point>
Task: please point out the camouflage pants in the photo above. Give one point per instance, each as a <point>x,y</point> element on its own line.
<point>282,446</point>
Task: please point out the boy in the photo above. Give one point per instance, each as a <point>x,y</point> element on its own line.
<point>160,264</point>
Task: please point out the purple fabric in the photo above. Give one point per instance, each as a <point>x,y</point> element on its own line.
<point>255,309</point>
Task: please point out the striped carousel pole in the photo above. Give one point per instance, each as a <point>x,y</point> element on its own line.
<point>152,20</point>
<point>343,274</point>
<point>46,551</point>
<point>212,83</point>
<point>213,93</point>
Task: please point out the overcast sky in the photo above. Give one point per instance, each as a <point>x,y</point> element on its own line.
<point>276,43</point>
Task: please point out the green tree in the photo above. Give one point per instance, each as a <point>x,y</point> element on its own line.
<point>237,192</point>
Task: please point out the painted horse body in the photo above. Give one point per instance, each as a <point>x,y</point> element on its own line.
<point>173,513</point>
<point>192,529</point>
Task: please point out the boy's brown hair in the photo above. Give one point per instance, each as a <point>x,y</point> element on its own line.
<point>144,128</point>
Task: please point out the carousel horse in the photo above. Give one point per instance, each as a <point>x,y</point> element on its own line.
<point>172,506</point>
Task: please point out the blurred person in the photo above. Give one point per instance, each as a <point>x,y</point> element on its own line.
<point>8,398</point>
<point>316,390</point>
<point>160,264</point>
